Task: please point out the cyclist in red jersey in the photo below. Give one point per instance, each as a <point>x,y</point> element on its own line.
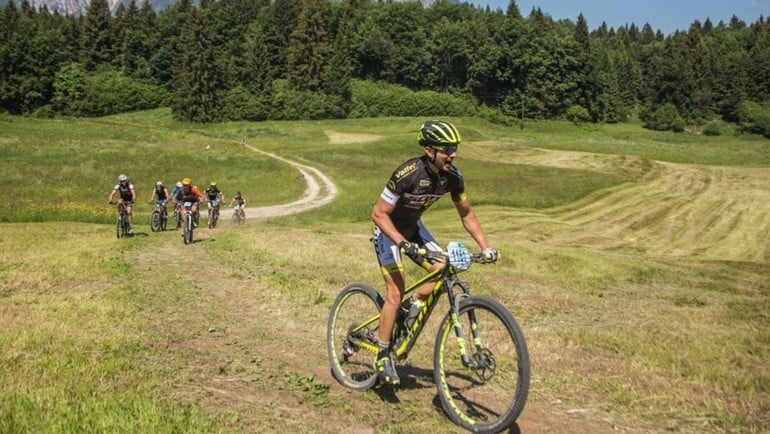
<point>412,188</point>
<point>191,193</point>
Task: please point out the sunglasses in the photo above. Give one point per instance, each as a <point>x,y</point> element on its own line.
<point>447,150</point>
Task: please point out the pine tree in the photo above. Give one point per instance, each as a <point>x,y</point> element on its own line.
<point>308,48</point>
<point>99,43</point>
<point>197,84</point>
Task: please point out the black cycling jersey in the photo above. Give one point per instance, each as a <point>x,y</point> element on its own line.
<point>413,188</point>
<point>125,191</point>
<point>212,193</point>
<point>160,193</point>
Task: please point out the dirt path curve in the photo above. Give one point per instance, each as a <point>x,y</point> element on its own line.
<point>320,191</point>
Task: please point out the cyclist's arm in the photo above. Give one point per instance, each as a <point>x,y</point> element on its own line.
<point>381,218</point>
<point>471,222</point>
<point>133,194</point>
<point>112,194</point>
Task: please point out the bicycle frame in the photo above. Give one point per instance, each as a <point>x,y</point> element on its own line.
<point>408,338</point>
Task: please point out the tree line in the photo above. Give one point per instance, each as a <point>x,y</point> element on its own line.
<point>316,59</point>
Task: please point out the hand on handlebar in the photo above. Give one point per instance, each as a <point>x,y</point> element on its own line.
<point>489,256</point>
<point>111,202</point>
<point>409,249</point>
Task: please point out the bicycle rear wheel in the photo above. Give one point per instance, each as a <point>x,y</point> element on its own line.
<point>351,336</point>
<point>489,396</point>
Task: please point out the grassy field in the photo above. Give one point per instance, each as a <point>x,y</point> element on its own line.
<point>636,262</point>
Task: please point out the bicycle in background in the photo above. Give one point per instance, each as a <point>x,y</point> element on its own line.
<point>239,217</point>
<point>213,214</point>
<point>480,359</point>
<point>178,214</point>
<point>122,226</point>
<point>159,217</point>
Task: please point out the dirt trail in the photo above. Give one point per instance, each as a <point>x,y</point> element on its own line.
<point>320,191</point>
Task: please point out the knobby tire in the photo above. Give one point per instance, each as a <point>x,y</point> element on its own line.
<point>155,221</point>
<point>483,400</point>
<point>188,228</point>
<point>352,366</point>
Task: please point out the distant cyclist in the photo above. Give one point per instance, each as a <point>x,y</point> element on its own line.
<point>192,194</point>
<point>241,201</point>
<point>161,195</point>
<point>176,192</point>
<point>126,196</point>
<point>214,195</point>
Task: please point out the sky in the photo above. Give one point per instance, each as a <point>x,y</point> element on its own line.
<point>667,16</point>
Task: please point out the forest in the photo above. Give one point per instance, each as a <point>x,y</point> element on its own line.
<point>321,59</point>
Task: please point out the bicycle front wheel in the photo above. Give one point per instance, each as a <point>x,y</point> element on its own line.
<point>351,336</point>
<point>488,395</point>
<point>188,229</point>
<point>119,226</point>
<point>155,223</point>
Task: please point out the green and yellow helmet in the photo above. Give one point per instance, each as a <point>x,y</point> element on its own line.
<point>438,133</point>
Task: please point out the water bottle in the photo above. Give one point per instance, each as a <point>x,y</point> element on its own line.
<point>413,311</point>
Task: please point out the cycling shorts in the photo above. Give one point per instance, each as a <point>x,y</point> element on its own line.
<point>389,255</point>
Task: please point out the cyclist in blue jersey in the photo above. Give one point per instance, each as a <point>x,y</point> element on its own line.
<point>413,187</point>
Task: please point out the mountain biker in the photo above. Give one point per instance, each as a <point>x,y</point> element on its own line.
<point>241,202</point>
<point>176,192</point>
<point>214,195</point>
<point>127,196</point>
<point>191,193</point>
<point>413,187</point>
<point>160,192</point>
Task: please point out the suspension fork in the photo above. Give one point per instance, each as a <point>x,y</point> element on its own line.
<point>454,315</point>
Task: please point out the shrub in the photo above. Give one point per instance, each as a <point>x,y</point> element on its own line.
<point>664,118</point>
<point>106,92</point>
<point>712,129</point>
<point>240,104</point>
<point>577,114</point>
<point>755,118</point>
<point>372,99</point>
<point>288,104</point>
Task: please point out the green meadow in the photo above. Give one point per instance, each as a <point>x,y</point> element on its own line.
<point>636,262</point>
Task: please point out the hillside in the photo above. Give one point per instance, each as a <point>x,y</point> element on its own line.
<point>645,304</point>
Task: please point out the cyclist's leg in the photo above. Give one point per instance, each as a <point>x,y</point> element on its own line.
<point>426,240</point>
<point>392,269</point>
<point>129,215</point>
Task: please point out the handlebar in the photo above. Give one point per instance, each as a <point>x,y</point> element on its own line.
<point>457,255</point>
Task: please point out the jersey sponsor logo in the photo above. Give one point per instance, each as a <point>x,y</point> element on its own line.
<point>406,170</point>
<point>442,182</point>
<point>425,183</point>
<point>423,201</point>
